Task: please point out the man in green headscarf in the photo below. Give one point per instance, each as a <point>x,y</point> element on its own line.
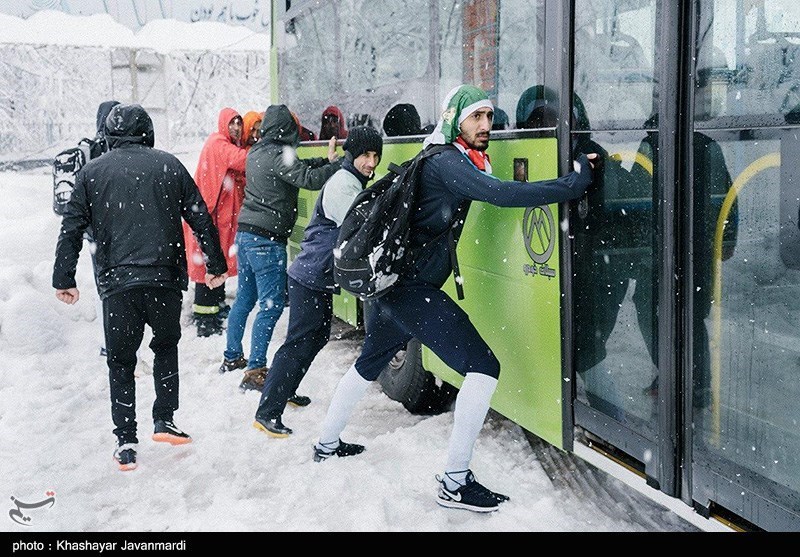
<point>416,307</point>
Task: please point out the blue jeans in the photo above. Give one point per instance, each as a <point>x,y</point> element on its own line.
<point>261,271</point>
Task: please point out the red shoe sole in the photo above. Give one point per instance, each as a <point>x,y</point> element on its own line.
<point>171,439</point>
<point>125,467</point>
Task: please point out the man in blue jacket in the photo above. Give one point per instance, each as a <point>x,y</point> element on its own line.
<point>133,198</point>
<point>416,307</point>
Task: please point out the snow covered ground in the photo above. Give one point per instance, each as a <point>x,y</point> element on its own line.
<point>55,431</point>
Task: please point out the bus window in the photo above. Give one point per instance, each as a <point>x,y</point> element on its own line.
<point>614,61</point>
<point>748,61</point>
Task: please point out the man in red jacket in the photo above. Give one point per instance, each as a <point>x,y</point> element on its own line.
<point>220,178</point>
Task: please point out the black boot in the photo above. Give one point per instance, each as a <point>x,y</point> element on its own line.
<point>208,324</point>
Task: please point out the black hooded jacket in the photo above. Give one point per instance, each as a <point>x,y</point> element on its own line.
<point>98,145</point>
<point>134,198</point>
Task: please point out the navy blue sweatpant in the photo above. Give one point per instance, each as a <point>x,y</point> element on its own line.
<point>425,312</point>
<point>309,329</point>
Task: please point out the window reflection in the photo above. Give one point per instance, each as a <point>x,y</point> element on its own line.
<point>747,339</point>
<point>614,61</point>
<point>615,282</point>
<point>748,60</point>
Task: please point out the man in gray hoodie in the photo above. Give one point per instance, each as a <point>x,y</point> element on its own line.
<point>274,176</point>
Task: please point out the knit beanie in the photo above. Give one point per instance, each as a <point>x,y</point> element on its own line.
<point>360,140</point>
<point>460,102</point>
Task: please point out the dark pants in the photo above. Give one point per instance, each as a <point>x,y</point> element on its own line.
<point>208,300</point>
<point>422,311</point>
<point>309,329</point>
<point>124,317</point>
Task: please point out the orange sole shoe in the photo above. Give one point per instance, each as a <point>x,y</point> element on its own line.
<point>125,467</point>
<point>171,439</point>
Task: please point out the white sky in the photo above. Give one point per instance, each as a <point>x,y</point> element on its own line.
<point>55,423</point>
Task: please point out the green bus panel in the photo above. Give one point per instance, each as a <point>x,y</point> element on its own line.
<point>517,299</point>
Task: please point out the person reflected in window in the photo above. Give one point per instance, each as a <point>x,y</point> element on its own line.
<point>712,182</point>
<point>500,121</point>
<point>402,119</point>
<point>333,124</point>
<point>597,232</point>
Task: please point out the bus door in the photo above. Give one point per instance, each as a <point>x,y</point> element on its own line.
<point>618,241</point>
<point>742,438</point>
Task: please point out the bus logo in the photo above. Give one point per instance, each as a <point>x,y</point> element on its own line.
<point>538,228</point>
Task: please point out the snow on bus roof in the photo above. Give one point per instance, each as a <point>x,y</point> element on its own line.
<point>164,35</point>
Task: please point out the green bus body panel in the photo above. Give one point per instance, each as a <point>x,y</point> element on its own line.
<point>518,313</point>
<point>519,308</point>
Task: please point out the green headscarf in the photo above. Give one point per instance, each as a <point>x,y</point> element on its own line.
<point>460,102</point>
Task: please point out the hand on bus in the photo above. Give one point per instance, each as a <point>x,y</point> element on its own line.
<point>332,156</point>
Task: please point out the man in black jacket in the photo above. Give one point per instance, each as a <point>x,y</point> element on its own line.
<point>133,198</point>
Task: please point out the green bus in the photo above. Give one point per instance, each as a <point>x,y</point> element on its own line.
<point>656,320</point>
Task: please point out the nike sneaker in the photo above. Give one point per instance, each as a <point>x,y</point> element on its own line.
<point>125,456</point>
<point>471,496</point>
<point>165,431</point>
<point>344,449</point>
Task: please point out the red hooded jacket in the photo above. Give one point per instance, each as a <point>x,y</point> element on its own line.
<point>341,130</point>
<point>220,178</point>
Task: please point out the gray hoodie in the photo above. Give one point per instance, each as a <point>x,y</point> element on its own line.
<point>274,175</point>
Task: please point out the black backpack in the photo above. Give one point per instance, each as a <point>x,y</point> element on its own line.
<point>65,169</point>
<point>373,245</point>
<point>66,166</point>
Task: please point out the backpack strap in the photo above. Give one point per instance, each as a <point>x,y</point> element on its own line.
<point>458,224</point>
<point>453,232</point>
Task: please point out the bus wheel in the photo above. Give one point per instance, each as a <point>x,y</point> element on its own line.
<point>407,382</point>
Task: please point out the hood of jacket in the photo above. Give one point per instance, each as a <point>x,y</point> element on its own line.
<point>102,113</point>
<point>129,124</point>
<point>341,128</point>
<point>225,116</point>
<point>279,126</point>
<point>250,121</point>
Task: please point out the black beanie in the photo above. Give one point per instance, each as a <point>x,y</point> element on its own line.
<point>362,139</point>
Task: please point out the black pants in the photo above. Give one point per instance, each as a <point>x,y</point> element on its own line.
<point>310,313</point>
<point>207,300</point>
<point>124,317</point>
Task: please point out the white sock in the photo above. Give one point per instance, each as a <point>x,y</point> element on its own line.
<point>348,392</point>
<point>472,405</point>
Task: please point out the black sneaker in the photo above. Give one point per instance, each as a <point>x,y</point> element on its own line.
<point>231,365</point>
<point>344,449</point>
<point>125,456</point>
<point>273,427</point>
<point>299,400</point>
<point>472,496</point>
<point>165,431</point>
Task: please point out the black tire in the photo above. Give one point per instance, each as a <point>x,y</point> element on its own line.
<point>408,382</point>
